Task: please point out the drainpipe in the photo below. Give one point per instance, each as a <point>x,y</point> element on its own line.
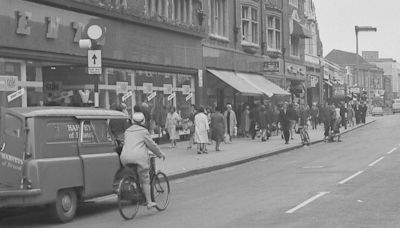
<point>283,43</point>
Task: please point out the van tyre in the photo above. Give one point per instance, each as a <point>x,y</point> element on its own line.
<point>63,210</point>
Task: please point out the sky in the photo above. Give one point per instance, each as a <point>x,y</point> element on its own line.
<point>337,18</point>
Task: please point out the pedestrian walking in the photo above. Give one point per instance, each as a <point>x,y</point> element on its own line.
<point>253,121</point>
<point>326,120</point>
<point>263,120</point>
<point>284,118</point>
<point>293,116</point>
<point>201,131</point>
<point>357,112</point>
<point>230,121</point>
<point>363,112</point>
<point>171,124</point>
<point>245,121</point>
<point>350,115</point>
<point>343,113</point>
<point>217,127</point>
<point>314,116</point>
<point>191,127</point>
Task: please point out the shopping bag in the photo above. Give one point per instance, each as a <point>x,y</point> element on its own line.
<point>226,138</point>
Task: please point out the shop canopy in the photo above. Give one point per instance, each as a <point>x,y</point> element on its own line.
<point>236,82</point>
<point>300,31</point>
<point>261,83</point>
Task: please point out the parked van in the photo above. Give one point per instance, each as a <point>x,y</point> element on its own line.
<point>56,156</point>
<point>396,105</point>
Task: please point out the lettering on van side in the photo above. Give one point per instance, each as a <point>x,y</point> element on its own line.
<point>73,131</point>
<point>10,161</point>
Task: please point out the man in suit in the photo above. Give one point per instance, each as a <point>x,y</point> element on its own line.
<point>284,118</point>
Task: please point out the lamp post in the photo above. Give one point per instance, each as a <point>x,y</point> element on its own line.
<point>363,29</point>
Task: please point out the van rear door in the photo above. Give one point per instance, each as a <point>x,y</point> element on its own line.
<point>12,148</point>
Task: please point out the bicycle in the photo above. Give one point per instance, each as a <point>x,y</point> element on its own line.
<point>305,138</point>
<point>131,196</point>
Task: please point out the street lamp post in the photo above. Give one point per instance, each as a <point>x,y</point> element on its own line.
<point>363,29</point>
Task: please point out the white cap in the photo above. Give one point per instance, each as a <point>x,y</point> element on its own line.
<point>138,117</point>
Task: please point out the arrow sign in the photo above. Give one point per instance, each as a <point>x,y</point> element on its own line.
<point>15,95</point>
<point>94,58</point>
<point>151,96</point>
<point>172,96</point>
<point>127,95</point>
<point>188,97</point>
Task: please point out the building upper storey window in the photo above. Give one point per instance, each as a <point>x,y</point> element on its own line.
<point>274,32</point>
<point>218,19</point>
<point>294,3</point>
<point>177,10</point>
<point>294,46</point>
<point>250,24</point>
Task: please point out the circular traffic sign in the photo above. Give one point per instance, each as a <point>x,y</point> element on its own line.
<point>94,32</point>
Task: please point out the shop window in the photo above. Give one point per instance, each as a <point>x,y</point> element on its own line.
<point>274,32</point>
<point>218,17</point>
<point>250,24</point>
<point>294,46</point>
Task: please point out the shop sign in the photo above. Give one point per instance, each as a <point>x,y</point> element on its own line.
<point>127,95</point>
<point>339,91</point>
<point>185,89</point>
<point>271,66</point>
<point>188,97</point>
<point>147,88</point>
<point>8,83</point>
<point>122,87</point>
<point>314,81</point>
<point>354,90</point>
<point>15,95</point>
<point>54,86</point>
<point>167,88</point>
<point>94,61</point>
<point>172,96</point>
<point>151,96</point>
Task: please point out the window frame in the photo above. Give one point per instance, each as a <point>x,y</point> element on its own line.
<point>274,45</point>
<point>294,52</point>
<point>254,35</point>
<point>218,19</point>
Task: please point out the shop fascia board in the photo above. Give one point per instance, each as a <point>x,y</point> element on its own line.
<point>97,11</point>
<point>25,54</point>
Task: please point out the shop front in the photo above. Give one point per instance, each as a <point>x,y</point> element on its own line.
<point>296,82</point>
<point>41,62</point>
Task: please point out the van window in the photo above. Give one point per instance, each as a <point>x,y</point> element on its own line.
<point>12,126</point>
<point>96,131</point>
<point>62,131</point>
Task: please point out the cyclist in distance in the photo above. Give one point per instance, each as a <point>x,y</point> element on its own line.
<point>138,143</point>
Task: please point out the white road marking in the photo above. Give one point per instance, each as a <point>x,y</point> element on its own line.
<point>392,150</point>
<point>351,177</point>
<point>303,204</point>
<point>376,161</point>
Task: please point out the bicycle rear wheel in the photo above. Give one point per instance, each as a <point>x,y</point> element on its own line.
<point>128,203</point>
<point>160,190</point>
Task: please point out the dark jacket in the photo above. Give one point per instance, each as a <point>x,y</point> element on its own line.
<point>284,119</point>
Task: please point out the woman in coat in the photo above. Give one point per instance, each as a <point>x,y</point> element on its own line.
<point>230,121</point>
<point>245,121</point>
<point>201,131</point>
<point>285,118</point>
<point>171,124</point>
<point>217,127</point>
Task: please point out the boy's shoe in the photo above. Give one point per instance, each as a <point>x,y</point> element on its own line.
<point>151,205</point>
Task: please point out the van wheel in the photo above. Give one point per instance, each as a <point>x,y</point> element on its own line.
<point>63,210</point>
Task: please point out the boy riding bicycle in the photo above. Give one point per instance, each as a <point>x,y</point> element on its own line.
<point>138,143</point>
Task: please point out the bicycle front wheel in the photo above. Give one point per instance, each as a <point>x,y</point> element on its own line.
<point>128,204</point>
<point>160,190</point>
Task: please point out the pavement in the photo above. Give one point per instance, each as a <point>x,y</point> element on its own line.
<point>182,162</point>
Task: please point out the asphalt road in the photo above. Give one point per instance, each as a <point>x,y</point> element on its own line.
<point>355,183</point>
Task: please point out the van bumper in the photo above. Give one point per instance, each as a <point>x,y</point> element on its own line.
<point>20,197</point>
